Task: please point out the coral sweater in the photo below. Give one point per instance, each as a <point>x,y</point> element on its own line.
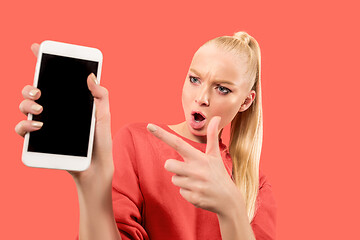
<point>148,206</point>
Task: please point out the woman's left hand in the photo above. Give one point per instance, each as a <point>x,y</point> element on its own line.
<point>202,177</point>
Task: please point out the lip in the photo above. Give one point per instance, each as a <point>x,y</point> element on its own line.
<point>197,125</point>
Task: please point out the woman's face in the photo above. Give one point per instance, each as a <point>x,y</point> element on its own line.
<point>215,86</point>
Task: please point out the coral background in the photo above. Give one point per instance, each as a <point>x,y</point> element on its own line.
<point>310,80</point>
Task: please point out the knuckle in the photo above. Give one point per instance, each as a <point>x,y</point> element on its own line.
<point>197,174</point>
<point>195,199</point>
<point>19,128</point>
<point>105,92</point>
<point>24,105</point>
<point>21,106</point>
<point>25,90</point>
<point>200,187</point>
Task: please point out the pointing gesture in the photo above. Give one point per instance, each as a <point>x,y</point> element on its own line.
<point>202,177</point>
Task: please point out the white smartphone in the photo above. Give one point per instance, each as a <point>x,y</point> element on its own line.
<point>65,141</point>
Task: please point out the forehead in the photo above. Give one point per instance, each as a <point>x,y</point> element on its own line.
<point>213,62</point>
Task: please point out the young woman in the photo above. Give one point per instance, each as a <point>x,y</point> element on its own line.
<point>180,181</point>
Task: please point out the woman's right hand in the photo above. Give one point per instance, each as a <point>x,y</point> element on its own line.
<point>102,166</point>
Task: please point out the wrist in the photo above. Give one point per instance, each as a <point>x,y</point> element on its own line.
<point>234,222</point>
<point>97,171</point>
<point>94,180</point>
<point>95,196</point>
<point>233,205</point>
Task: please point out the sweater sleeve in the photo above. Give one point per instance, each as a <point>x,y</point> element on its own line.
<point>127,198</point>
<point>264,222</point>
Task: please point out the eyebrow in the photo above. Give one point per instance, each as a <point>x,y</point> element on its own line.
<point>216,81</point>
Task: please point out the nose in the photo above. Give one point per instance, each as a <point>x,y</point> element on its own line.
<point>203,97</point>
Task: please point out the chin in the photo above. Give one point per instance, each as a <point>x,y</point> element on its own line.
<point>198,132</point>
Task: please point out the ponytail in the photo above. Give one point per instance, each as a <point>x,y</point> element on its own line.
<point>247,127</point>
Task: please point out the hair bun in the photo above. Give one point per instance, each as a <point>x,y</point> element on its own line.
<point>243,36</point>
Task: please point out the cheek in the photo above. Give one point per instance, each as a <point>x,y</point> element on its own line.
<point>227,111</point>
<point>185,101</point>
<point>186,96</point>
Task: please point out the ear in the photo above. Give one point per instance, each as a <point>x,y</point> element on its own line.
<point>248,101</point>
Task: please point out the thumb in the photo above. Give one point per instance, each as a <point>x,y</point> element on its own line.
<point>102,137</point>
<point>94,87</point>
<point>212,146</point>
<point>35,49</point>
<point>101,96</point>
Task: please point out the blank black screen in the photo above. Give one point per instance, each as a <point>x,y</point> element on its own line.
<point>67,106</point>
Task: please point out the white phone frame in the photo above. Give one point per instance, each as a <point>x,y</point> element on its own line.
<point>57,161</point>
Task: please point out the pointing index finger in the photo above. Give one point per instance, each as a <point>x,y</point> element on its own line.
<point>178,144</point>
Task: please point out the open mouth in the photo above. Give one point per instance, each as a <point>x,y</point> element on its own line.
<point>198,117</point>
<point>198,120</point>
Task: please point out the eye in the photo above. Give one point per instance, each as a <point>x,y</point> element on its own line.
<point>194,80</point>
<point>223,90</point>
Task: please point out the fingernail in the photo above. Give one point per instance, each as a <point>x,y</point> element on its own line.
<point>36,107</point>
<point>33,92</point>
<point>151,127</point>
<point>93,77</point>
<point>166,165</point>
<point>37,124</point>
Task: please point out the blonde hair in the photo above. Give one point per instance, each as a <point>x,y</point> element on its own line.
<point>247,127</point>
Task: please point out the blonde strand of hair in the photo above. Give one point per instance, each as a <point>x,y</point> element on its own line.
<point>247,127</point>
